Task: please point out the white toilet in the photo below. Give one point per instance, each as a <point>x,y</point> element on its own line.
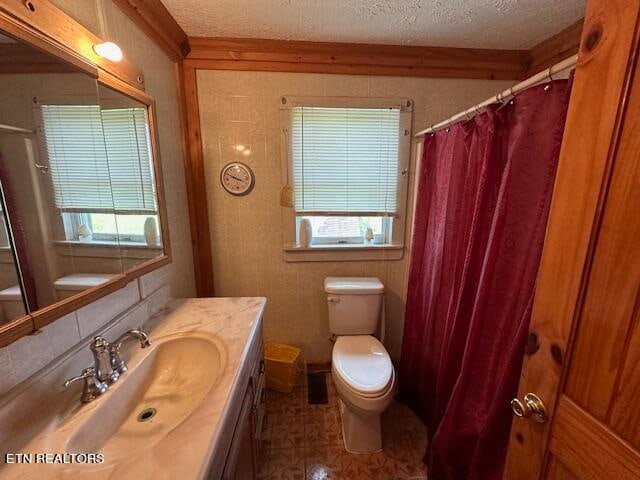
<point>361,367</point>
<point>71,285</point>
<point>11,303</point>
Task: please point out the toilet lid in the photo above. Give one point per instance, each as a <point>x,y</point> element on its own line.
<point>12,293</point>
<point>82,281</point>
<point>363,363</point>
<point>353,285</point>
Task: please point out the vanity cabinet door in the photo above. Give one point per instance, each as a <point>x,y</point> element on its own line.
<point>259,409</point>
<point>241,462</point>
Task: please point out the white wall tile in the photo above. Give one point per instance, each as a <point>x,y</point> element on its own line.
<point>131,319</point>
<point>96,314</point>
<point>29,354</point>
<point>159,299</point>
<point>150,282</point>
<point>7,377</point>
<point>63,333</point>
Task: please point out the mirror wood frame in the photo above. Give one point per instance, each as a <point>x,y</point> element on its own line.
<point>50,30</point>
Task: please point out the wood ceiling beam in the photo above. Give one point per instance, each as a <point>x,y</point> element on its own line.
<point>355,58</point>
<point>153,18</point>
<point>556,48</point>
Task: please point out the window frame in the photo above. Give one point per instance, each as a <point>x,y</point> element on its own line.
<point>73,220</point>
<point>354,248</point>
<point>383,238</point>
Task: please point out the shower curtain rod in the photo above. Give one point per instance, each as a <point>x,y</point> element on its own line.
<point>510,92</point>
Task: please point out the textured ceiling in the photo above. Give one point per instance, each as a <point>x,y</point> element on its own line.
<point>508,24</point>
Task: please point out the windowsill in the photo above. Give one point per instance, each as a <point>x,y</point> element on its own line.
<point>107,244</point>
<point>343,252</point>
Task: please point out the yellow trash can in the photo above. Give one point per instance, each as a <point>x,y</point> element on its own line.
<point>283,365</point>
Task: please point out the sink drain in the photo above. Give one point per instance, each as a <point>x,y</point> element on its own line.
<point>147,414</point>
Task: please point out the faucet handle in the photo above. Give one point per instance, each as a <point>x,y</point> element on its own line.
<point>99,344</point>
<point>93,387</point>
<point>102,360</point>
<point>86,373</point>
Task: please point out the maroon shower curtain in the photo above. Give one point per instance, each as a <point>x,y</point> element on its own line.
<point>484,192</point>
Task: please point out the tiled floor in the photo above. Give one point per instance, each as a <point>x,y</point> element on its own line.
<point>304,441</point>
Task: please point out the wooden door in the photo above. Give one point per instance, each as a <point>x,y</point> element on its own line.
<point>583,352</point>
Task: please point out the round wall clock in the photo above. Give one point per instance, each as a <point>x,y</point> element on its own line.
<point>237,178</point>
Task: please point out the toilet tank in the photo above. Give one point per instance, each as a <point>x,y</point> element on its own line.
<point>355,304</point>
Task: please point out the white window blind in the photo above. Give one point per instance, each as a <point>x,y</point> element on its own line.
<point>345,160</point>
<point>99,159</point>
<point>129,154</point>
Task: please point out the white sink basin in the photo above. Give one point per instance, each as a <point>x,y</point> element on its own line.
<point>190,375</point>
<point>152,399</point>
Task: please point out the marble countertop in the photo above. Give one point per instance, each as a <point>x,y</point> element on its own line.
<point>187,450</point>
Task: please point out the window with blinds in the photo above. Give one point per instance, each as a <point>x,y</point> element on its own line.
<point>100,160</point>
<point>345,160</point>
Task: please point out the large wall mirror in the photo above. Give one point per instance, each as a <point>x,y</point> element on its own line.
<point>81,198</point>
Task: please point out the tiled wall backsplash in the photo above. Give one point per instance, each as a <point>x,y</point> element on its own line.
<point>117,312</point>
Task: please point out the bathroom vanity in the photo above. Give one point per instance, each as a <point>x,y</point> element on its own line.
<point>190,406</point>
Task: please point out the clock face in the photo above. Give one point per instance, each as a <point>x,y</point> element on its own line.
<point>237,178</point>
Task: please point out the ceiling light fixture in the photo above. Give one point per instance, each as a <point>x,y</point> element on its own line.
<point>108,50</point>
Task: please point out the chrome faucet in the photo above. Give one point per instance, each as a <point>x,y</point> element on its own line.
<point>93,387</point>
<point>102,361</point>
<point>108,364</point>
<point>117,363</point>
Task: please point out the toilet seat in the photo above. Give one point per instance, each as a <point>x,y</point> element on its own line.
<point>363,365</point>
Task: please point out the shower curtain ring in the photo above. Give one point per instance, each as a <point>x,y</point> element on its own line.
<point>549,74</point>
<point>510,95</point>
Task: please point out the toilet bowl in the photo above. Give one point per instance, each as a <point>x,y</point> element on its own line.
<point>11,303</point>
<point>361,367</point>
<point>366,384</point>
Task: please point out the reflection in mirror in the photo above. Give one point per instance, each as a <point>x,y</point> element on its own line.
<point>56,168</point>
<point>136,225</point>
<point>11,300</point>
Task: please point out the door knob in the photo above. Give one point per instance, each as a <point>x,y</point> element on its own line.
<point>530,407</point>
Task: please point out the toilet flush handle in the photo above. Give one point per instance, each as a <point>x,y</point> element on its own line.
<point>333,299</point>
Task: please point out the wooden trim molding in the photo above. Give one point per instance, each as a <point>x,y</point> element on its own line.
<point>197,188</point>
<point>355,58</point>
<point>153,18</point>
<point>556,48</point>
<point>45,26</point>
